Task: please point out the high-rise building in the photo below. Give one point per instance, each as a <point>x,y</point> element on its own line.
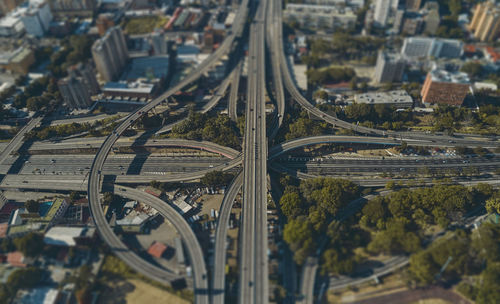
<point>8,5</point>
<point>384,9</point>
<point>73,7</point>
<point>413,5</point>
<point>389,67</point>
<point>423,47</point>
<point>36,18</point>
<point>431,21</point>
<point>104,22</point>
<point>485,24</point>
<point>159,43</point>
<point>110,54</point>
<point>78,87</point>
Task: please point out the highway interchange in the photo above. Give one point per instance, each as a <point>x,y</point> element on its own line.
<point>87,172</point>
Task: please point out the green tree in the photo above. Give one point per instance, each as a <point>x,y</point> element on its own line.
<point>299,235</point>
<point>423,268</point>
<point>30,245</point>
<point>32,206</point>
<point>216,179</point>
<point>291,205</point>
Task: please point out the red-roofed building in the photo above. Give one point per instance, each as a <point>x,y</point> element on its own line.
<point>491,54</point>
<point>3,229</point>
<point>16,259</point>
<point>7,209</point>
<point>157,249</point>
<point>337,88</point>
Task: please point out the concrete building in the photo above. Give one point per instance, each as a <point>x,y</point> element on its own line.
<point>159,43</point>
<point>384,9</point>
<point>485,24</point>
<point>67,236</point>
<point>443,87</point>
<point>104,22</point>
<point>413,5</point>
<point>423,47</point>
<point>431,21</point>
<point>412,24</point>
<point>17,61</point>
<point>81,8</point>
<point>400,99</point>
<point>320,16</point>
<point>78,88</point>
<point>11,26</point>
<point>110,54</point>
<point>389,67</point>
<point>8,5</point>
<point>129,90</point>
<point>36,18</point>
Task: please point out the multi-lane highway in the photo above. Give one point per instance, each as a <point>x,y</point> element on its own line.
<point>253,236</point>
<point>219,282</point>
<point>94,143</point>
<point>17,141</point>
<point>115,165</point>
<point>232,107</point>
<point>273,34</point>
<point>96,175</point>
<point>187,235</point>
<point>377,165</point>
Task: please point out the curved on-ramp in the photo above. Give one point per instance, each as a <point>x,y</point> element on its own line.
<point>219,282</point>
<point>95,177</point>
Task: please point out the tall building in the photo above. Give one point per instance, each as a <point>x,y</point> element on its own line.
<point>159,43</point>
<point>413,5</point>
<point>36,18</point>
<point>443,87</point>
<point>73,7</point>
<point>431,21</point>
<point>78,87</point>
<point>384,9</point>
<point>9,5</point>
<point>104,22</point>
<point>423,47</point>
<point>485,24</point>
<point>110,54</point>
<point>389,67</point>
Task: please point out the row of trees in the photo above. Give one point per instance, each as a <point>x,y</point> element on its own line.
<point>453,119</point>
<point>199,126</point>
<point>397,221</point>
<point>20,278</point>
<point>329,75</point>
<point>343,47</point>
<point>74,49</point>
<point>374,116</point>
<point>473,253</point>
<point>310,206</point>
<point>40,94</point>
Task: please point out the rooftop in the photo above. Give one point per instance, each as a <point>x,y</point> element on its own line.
<point>65,236</point>
<point>42,295</point>
<point>157,249</point>
<point>153,67</point>
<point>439,75</point>
<point>393,97</point>
<point>126,87</point>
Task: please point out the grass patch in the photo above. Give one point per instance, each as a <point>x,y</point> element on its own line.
<point>144,25</point>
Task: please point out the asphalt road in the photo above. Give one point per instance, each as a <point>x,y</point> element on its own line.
<point>233,95</point>
<point>115,165</point>
<point>254,286</point>
<point>95,175</point>
<point>18,139</point>
<point>219,279</point>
